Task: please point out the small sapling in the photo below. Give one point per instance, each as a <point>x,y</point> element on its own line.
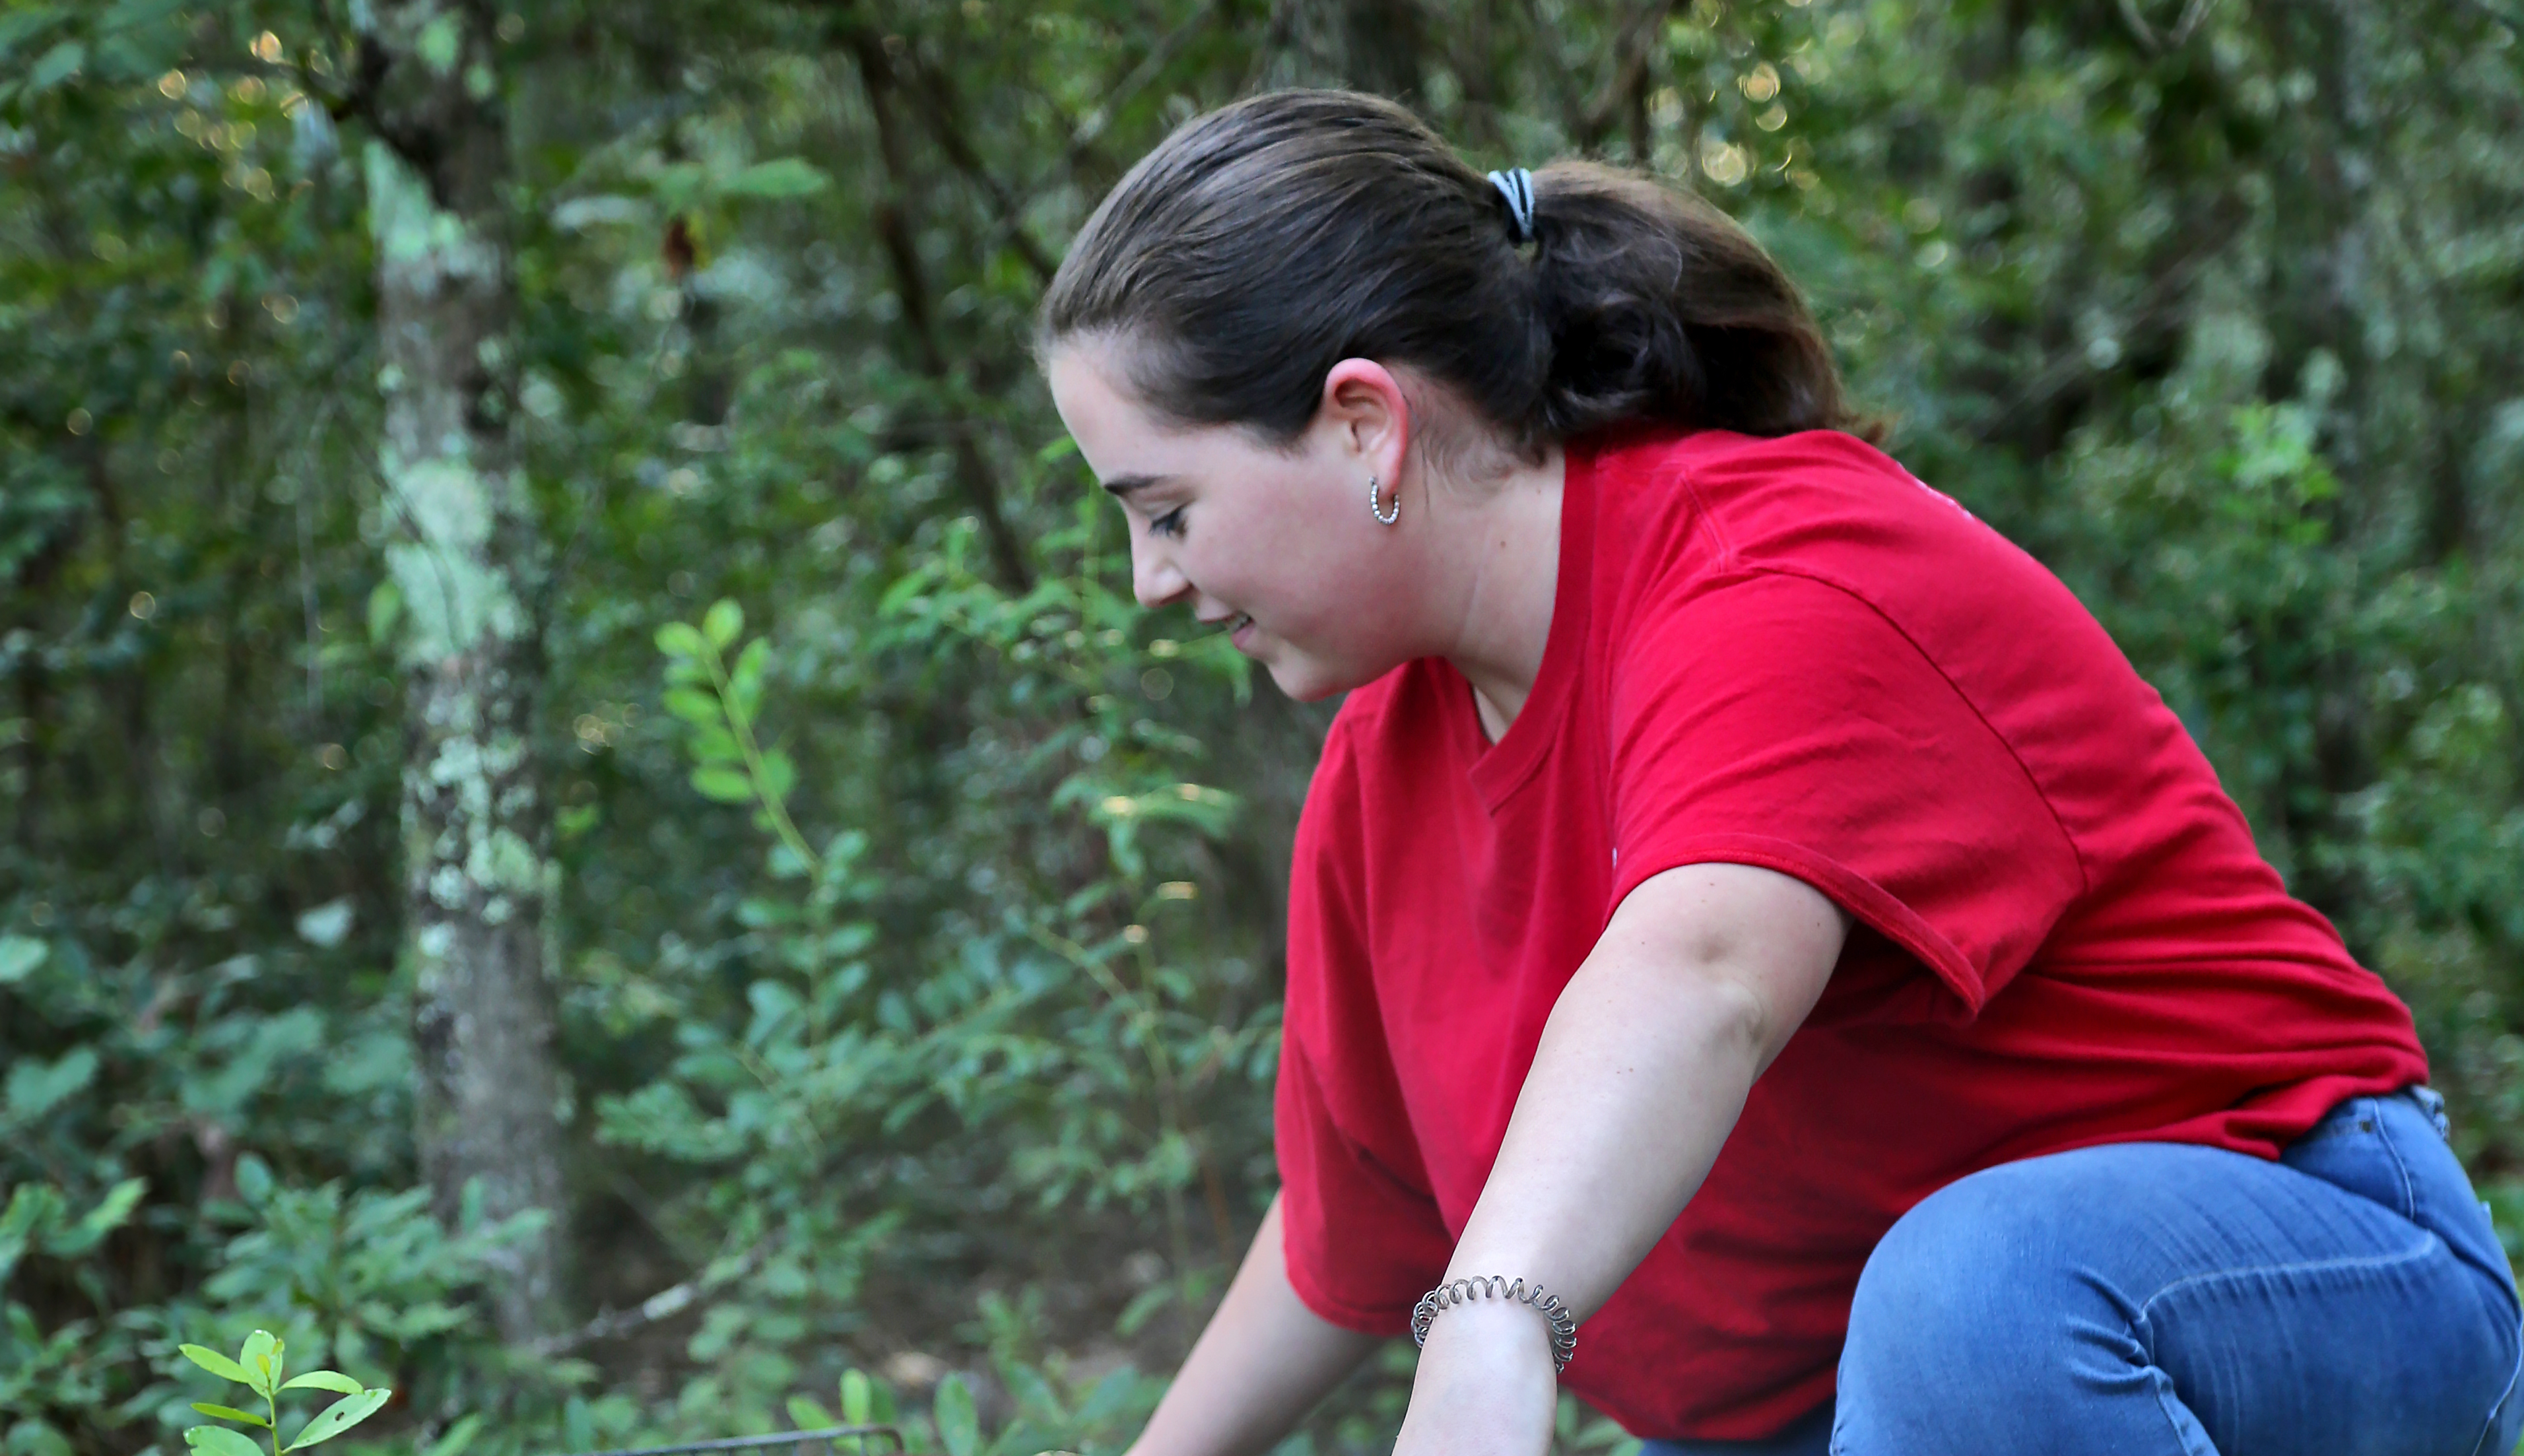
<point>257,1367</point>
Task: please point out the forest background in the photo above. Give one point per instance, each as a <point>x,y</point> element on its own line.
<point>432,929</point>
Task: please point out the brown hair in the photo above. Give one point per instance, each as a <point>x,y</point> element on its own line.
<point>1264,242</point>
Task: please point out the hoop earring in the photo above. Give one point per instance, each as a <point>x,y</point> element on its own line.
<point>1386,518</point>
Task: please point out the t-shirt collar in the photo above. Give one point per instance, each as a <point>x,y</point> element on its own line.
<point>1500,768</point>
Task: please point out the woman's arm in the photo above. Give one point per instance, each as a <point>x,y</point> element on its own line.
<point>1645,1063</point>
<point>1260,1366</point>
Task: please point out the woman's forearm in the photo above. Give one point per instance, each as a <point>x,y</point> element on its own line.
<point>1642,1068</point>
<point>1641,1071</point>
<point>1262,1363</point>
<point>1632,1091</point>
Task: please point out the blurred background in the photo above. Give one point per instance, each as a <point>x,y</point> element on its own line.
<point>434,928</point>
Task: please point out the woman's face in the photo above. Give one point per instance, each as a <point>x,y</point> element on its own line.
<point>1276,547</point>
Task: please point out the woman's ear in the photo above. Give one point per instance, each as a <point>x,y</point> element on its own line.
<point>1368,413</point>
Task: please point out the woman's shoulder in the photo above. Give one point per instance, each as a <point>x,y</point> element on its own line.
<point>1656,456</point>
<point>1743,482</point>
<point>1680,517</point>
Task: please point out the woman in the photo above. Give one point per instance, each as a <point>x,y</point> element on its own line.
<point>1744,904</point>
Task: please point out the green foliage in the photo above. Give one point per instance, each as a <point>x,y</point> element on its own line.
<point>262,1368</point>
<point>916,926</point>
<point>365,1277</point>
<point>1058,1060</point>
<point>69,1366</point>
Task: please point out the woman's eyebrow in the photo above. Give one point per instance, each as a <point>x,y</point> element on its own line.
<point>1122,485</point>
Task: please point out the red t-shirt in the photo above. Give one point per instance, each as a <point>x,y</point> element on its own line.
<point>1789,653</point>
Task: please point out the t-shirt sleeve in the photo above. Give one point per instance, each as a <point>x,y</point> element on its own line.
<point>1781,721</point>
<point>1362,1234</point>
<point>1361,1242</point>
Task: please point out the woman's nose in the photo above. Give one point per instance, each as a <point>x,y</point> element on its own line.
<point>1154,579</point>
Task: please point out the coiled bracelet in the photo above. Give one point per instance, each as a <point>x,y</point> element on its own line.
<point>1564,1326</point>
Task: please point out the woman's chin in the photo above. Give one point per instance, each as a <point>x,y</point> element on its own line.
<point>1310,679</point>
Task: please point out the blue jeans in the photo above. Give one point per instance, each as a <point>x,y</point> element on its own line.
<point>2150,1298</point>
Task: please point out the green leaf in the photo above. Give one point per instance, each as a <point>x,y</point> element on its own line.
<point>959,1426</point>
<point>723,624</point>
<point>807,1415</point>
<point>31,1437</point>
<point>254,1184</point>
<point>19,955</point>
<point>215,1363</point>
<point>37,1087</point>
<point>858,1405</point>
<point>1142,1306</point>
<point>693,707</point>
<point>340,1416</point>
<point>713,744</point>
<point>56,66</point>
<point>680,640</point>
<point>218,1440</point>
<point>676,183</point>
<point>441,41</point>
<point>784,176</point>
<point>385,609</point>
<point>779,775</point>
<point>726,785</point>
<point>230,1412</point>
<point>325,1380</point>
<point>745,679</point>
<point>262,1359</point>
<point>459,1436</point>
<point>110,1213</point>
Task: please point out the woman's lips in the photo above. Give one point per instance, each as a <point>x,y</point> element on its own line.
<point>1237,631</point>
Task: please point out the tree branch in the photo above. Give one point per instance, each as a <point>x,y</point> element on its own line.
<point>368,64</point>
<point>2160,301</point>
<point>902,256</point>
<point>938,105</point>
<point>1623,92</point>
<point>2511,20</point>
<point>934,98</point>
<point>2184,27</point>
<point>666,1304</point>
<point>1128,89</point>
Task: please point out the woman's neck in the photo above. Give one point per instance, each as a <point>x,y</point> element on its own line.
<point>1503,556</point>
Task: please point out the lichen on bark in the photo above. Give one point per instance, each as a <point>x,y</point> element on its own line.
<point>467,560</point>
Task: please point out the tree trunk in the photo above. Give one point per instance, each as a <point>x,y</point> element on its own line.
<point>1381,44</point>
<point>470,562</point>
<point>1374,45</point>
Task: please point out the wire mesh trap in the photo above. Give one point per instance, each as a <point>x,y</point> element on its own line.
<point>803,1442</point>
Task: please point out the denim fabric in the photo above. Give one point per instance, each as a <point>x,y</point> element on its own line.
<point>2152,1298</point>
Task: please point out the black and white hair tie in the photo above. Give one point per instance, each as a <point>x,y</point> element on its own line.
<point>1515,184</point>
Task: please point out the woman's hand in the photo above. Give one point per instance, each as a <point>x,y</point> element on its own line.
<point>1262,1363</point>
<point>1485,1385</point>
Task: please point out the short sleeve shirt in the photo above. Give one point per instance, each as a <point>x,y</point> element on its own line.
<point>1789,652</point>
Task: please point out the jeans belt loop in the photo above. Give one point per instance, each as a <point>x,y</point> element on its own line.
<point>2432,1102</point>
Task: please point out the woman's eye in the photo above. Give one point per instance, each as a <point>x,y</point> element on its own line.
<point>1168,524</point>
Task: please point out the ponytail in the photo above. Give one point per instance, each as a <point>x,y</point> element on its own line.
<point>1660,308</point>
<point>1264,242</point>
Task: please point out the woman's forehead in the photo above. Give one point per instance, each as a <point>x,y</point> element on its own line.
<point>1120,436</point>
